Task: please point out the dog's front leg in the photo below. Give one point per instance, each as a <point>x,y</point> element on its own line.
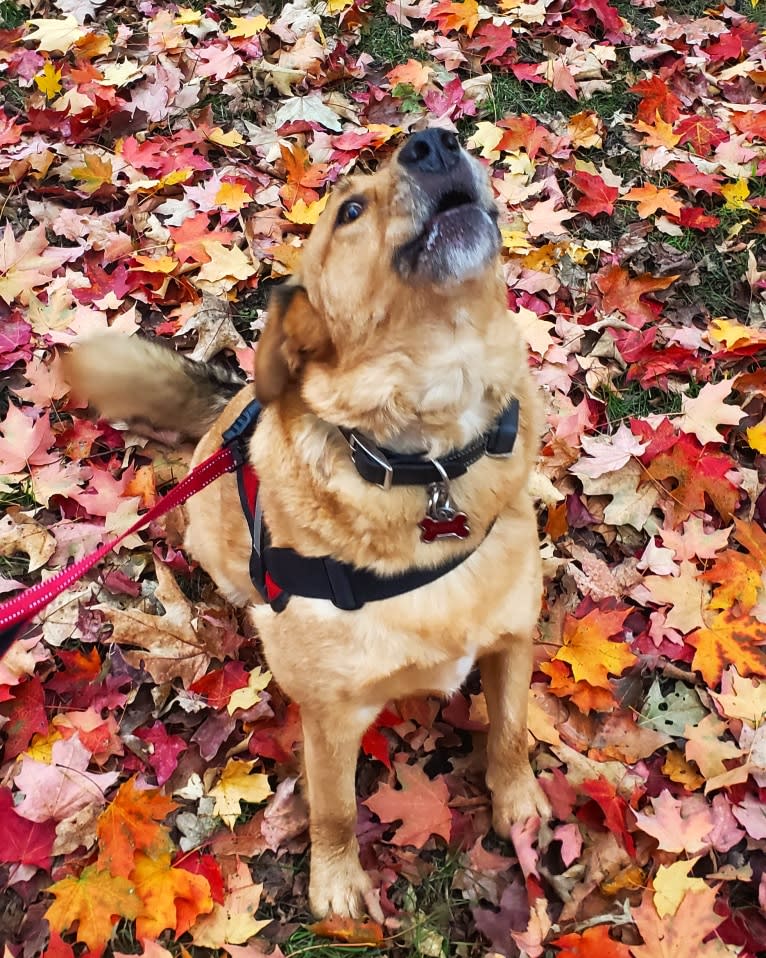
<point>506,676</point>
<point>331,744</point>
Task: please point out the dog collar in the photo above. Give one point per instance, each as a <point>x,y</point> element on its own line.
<point>385,468</point>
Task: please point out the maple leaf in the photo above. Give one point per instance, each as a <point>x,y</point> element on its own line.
<point>218,685</point>
<point>672,882</point>
<point>679,826</point>
<point>421,806</point>
<point>656,100</point>
<point>234,921</point>
<point>172,897</point>
<point>25,441</point>
<point>587,648</point>
<point>607,453</point>
<point>171,646</point>
<point>63,786</point>
<point>23,267</point>
<point>622,293</point>
<point>456,16</point>
<point>729,640</point>
<point>695,474</point>
<point>597,196</point>
<point>25,842</point>
<point>49,80</point>
<point>704,414</point>
<point>96,173</point>
<point>682,933</point>
<point>93,900</point>
<point>237,785</point>
<point>594,942</point>
<point>131,824</point>
<point>543,219</point>
<point>55,36</point>
<point>27,716</point>
<point>354,931</point>
<point>165,749</point>
<point>650,200</point>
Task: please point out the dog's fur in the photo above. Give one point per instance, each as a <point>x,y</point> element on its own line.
<point>398,329</point>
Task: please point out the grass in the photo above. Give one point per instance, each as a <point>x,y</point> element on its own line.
<point>386,42</point>
<point>630,401</point>
<point>11,15</point>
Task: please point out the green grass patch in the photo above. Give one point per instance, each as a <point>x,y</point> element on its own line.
<point>11,15</point>
<point>304,942</point>
<point>386,42</point>
<point>631,401</point>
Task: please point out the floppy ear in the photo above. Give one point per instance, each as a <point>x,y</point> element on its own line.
<point>294,333</point>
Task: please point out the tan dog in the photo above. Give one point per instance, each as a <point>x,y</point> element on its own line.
<point>397,327</point>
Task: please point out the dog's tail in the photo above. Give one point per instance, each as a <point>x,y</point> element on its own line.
<point>142,382</point>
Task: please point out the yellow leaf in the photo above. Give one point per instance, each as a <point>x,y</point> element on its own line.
<point>186,16</point>
<point>162,264</point>
<point>93,900</point>
<point>736,195</point>
<point>55,36</point>
<point>247,26</point>
<point>225,263</point>
<point>756,437</point>
<point>94,174</point>
<point>587,648</point>
<point>306,213</point>
<point>248,696</point>
<point>236,785</point>
<point>48,81</point>
<point>232,138</point>
<point>672,882</point>
<point>730,640</point>
<point>486,139</point>
<point>745,700</point>
<point>515,240</point>
<point>233,196</point>
<point>336,6</point>
<point>650,200</point>
<point>118,74</point>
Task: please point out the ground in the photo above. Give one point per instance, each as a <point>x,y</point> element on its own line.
<point>160,166</point>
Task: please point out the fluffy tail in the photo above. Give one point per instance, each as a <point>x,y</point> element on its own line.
<point>139,381</point>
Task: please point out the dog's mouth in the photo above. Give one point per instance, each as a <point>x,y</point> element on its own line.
<point>456,238</point>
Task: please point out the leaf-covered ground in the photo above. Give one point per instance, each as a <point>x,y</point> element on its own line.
<point>159,165</point>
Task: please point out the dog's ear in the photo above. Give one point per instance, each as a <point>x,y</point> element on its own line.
<point>294,333</point>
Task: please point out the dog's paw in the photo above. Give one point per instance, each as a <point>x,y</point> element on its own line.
<point>339,887</point>
<point>516,802</point>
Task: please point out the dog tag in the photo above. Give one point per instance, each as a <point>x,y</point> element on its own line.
<point>442,520</point>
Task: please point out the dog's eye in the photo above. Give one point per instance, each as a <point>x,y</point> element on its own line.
<point>351,210</point>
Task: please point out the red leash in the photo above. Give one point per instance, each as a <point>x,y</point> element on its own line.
<point>18,610</point>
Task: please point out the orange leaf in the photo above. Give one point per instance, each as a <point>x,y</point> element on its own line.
<point>592,943</point>
<point>586,697</point>
<point>172,897</point>
<point>93,900</point>
<point>456,16</point>
<point>731,640</point>
<point>355,931</point>
<point>623,293</point>
<point>588,650</point>
<point>130,825</point>
<point>650,199</point>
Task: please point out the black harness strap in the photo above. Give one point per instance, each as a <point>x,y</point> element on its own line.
<point>278,573</point>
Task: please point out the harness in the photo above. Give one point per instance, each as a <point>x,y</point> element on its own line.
<point>279,573</point>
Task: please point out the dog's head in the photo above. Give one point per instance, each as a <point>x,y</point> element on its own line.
<point>412,245</point>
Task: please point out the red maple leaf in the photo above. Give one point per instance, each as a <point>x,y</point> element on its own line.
<point>597,196</point>
<point>218,685</point>
<point>694,179</point>
<point>702,133</point>
<point>656,98</point>
<point>623,293</point>
<point>26,716</point>
<point>24,842</point>
<point>689,474</point>
<point>496,40</point>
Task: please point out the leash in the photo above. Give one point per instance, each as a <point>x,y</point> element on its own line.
<point>16,612</point>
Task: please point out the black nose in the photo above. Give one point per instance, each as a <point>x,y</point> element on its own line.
<point>432,151</point>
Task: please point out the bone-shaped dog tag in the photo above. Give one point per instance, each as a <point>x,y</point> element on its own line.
<point>442,520</point>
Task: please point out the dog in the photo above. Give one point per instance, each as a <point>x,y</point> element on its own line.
<point>392,344</point>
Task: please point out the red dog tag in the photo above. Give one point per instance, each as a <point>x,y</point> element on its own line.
<point>454,527</point>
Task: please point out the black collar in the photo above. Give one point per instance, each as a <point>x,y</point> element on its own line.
<point>386,468</point>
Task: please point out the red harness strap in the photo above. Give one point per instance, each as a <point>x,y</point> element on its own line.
<point>15,612</point>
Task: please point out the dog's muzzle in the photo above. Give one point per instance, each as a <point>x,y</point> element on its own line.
<point>455,217</point>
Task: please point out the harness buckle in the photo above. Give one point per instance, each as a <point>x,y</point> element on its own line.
<point>375,454</point>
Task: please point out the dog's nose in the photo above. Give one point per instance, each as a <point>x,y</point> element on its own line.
<point>432,151</point>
